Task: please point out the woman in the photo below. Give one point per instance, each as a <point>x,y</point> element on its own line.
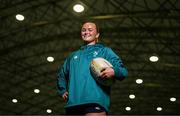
<point>82,93</point>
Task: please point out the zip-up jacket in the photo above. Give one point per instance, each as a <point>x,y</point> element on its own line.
<point>75,76</point>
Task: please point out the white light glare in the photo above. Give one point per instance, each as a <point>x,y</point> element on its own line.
<point>128,108</point>
<point>49,111</point>
<point>153,58</point>
<point>50,59</point>
<point>78,8</point>
<point>14,100</point>
<point>19,17</point>
<point>173,99</point>
<point>36,90</point>
<point>131,96</point>
<point>159,109</point>
<point>139,81</point>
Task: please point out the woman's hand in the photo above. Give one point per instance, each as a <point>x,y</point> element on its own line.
<point>107,73</point>
<point>65,96</point>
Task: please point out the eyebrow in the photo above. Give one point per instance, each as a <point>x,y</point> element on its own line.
<point>86,28</point>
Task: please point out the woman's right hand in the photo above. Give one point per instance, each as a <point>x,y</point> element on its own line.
<point>65,96</point>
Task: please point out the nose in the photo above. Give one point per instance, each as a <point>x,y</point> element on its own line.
<point>86,32</point>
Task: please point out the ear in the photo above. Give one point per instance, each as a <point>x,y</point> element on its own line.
<point>97,35</point>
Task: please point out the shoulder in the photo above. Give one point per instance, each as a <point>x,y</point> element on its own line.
<point>107,49</point>
<point>110,52</point>
<point>103,46</point>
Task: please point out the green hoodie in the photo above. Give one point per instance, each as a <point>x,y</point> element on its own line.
<point>75,76</point>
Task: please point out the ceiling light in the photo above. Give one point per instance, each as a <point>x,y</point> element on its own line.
<point>132,96</point>
<point>19,17</point>
<point>139,81</point>
<point>78,8</point>
<point>50,59</point>
<point>159,109</point>
<point>153,58</point>
<point>14,100</point>
<point>49,111</point>
<point>173,99</point>
<point>128,108</point>
<point>36,90</point>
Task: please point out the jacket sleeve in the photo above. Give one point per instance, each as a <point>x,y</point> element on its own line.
<point>62,78</point>
<point>118,66</point>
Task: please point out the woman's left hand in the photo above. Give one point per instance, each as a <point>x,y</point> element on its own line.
<point>107,73</point>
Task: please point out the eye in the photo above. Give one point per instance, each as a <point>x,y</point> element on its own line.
<point>83,30</point>
<point>90,29</point>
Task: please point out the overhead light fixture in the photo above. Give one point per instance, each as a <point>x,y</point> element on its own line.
<point>132,96</point>
<point>14,100</point>
<point>139,81</point>
<point>78,8</point>
<point>36,90</point>
<point>128,108</point>
<point>49,111</point>
<point>19,17</point>
<point>159,109</point>
<point>173,99</point>
<point>50,59</point>
<point>153,58</point>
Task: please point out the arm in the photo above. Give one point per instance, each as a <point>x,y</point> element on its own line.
<point>120,72</point>
<point>62,78</point>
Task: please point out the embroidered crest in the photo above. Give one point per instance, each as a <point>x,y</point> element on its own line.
<point>75,57</point>
<point>95,53</point>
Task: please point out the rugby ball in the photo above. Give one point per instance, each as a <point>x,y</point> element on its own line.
<point>97,66</point>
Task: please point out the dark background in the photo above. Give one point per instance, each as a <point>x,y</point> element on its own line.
<point>134,29</point>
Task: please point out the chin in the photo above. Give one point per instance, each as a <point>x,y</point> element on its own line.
<point>87,40</point>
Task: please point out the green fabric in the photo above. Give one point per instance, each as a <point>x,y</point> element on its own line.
<point>75,76</point>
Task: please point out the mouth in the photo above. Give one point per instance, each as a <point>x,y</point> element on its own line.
<point>86,37</point>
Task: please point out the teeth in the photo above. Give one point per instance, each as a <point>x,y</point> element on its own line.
<point>86,37</point>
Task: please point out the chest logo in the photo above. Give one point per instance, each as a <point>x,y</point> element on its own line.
<point>95,53</point>
<point>75,57</point>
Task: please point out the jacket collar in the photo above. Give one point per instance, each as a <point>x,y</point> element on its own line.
<point>97,45</point>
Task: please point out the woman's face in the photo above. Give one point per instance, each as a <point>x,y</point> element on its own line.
<point>89,33</point>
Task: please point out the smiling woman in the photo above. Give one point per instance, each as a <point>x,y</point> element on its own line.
<point>89,33</point>
<point>76,69</point>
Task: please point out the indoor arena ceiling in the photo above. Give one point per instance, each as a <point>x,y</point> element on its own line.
<point>134,29</point>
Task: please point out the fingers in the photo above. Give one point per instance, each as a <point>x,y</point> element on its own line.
<point>103,74</point>
<point>107,73</point>
<point>65,96</point>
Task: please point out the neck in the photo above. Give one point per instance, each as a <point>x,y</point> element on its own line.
<point>92,43</point>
